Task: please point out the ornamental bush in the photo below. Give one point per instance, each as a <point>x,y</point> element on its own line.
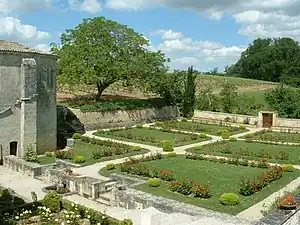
<point>110,166</point>
<point>202,135</point>
<point>154,182</point>
<point>79,159</point>
<point>288,168</point>
<point>52,201</point>
<point>198,148</point>
<point>136,148</point>
<point>242,127</point>
<point>48,154</point>
<point>30,155</point>
<point>233,139</point>
<point>167,146</point>
<point>229,199</point>
<point>172,154</point>
<point>76,136</point>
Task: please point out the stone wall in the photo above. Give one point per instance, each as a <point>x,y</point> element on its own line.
<point>26,168</point>
<point>294,219</point>
<point>217,117</point>
<point>108,119</point>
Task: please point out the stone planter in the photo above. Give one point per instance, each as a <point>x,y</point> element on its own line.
<point>55,188</point>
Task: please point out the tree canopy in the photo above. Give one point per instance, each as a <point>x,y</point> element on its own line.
<point>269,59</point>
<point>100,52</point>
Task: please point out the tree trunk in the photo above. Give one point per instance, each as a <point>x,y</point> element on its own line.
<point>100,89</point>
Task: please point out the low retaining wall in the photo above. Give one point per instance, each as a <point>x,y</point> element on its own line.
<point>217,117</point>
<point>294,219</point>
<point>26,168</point>
<point>108,119</point>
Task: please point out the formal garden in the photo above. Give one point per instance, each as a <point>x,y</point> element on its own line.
<point>225,186</point>
<point>275,136</point>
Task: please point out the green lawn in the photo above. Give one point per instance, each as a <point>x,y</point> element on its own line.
<point>199,127</point>
<point>86,150</point>
<point>152,136</point>
<point>256,151</point>
<point>277,136</point>
<point>222,178</point>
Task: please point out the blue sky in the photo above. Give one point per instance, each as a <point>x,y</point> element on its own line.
<point>206,33</point>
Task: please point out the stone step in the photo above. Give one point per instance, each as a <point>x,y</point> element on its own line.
<point>103,200</point>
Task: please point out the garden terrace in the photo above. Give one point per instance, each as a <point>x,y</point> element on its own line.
<point>272,136</point>
<point>282,154</point>
<point>200,127</point>
<point>93,151</point>
<point>151,136</point>
<point>221,178</point>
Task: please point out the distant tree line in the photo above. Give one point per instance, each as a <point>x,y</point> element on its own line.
<point>275,60</point>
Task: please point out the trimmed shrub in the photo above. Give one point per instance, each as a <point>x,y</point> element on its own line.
<point>288,168</point>
<point>167,146</point>
<point>242,127</point>
<point>154,182</point>
<point>229,199</point>
<point>222,131</point>
<point>172,154</point>
<point>98,154</point>
<point>76,136</point>
<point>52,201</point>
<point>100,131</point>
<point>198,148</point>
<point>136,148</point>
<point>159,124</point>
<point>139,126</point>
<point>79,159</point>
<point>202,135</point>
<point>48,154</point>
<point>110,166</point>
<point>225,136</point>
<point>30,155</point>
<point>233,139</point>
<point>184,120</point>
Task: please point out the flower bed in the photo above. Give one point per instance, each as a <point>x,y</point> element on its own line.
<point>151,136</point>
<point>282,154</point>
<point>277,137</point>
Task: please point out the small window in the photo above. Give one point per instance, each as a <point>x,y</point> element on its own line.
<point>13,147</point>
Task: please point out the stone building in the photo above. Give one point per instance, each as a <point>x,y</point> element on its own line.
<point>27,100</point>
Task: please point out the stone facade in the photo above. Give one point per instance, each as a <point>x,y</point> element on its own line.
<point>28,100</point>
<point>108,119</point>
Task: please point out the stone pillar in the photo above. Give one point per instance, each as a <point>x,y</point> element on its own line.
<point>28,132</point>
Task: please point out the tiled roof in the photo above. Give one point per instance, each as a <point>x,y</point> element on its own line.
<point>9,46</point>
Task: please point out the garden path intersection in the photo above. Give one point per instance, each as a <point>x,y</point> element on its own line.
<point>24,185</point>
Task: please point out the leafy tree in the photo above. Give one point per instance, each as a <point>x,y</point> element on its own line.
<point>189,93</point>
<point>100,52</point>
<point>268,59</point>
<point>206,100</point>
<point>228,96</point>
<point>285,100</point>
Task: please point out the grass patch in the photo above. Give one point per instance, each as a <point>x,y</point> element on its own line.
<point>199,127</point>
<point>277,136</point>
<point>222,178</point>
<point>89,105</point>
<point>152,136</point>
<point>257,151</point>
<point>86,150</point>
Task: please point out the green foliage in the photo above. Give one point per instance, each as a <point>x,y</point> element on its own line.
<point>95,52</point>
<point>76,136</point>
<point>154,182</point>
<point>285,100</point>
<point>232,139</point>
<point>198,148</point>
<point>52,201</point>
<point>159,124</point>
<point>172,154</point>
<point>139,126</point>
<point>202,135</point>
<point>30,155</point>
<point>136,148</point>
<point>48,154</point>
<point>242,127</point>
<point>189,94</point>
<point>126,222</point>
<point>207,100</point>
<point>249,136</point>
<point>167,146</point>
<point>79,159</point>
<point>228,97</point>
<point>288,168</point>
<point>229,199</point>
<point>269,59</point>
<point>110,166</point>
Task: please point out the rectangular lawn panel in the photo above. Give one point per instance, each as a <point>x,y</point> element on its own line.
<point>257,151</point>
<point>152,136</point>
<point>86,150</point>
<point>277,136</point>
<point>222,178</point>
<point>200,127</point>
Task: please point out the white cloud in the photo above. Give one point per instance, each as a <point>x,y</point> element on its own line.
<point>90,6</point>
<point>14,30</point>
<point>168,34</point>
<point>12,6</point>
<point>42,47</point>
